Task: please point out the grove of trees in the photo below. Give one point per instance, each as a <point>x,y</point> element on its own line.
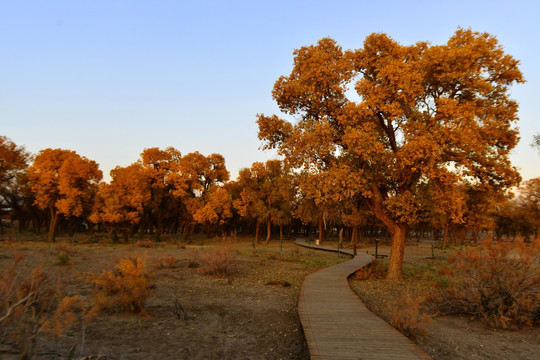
<point>384,139</point>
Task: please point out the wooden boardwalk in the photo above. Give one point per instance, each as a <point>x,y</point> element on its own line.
<point>337,324</point>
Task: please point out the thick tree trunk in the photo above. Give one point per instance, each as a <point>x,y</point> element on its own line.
<point>397,252</point>
<point>398,232</point>
<point>52,225</point>
<point>268,231</point>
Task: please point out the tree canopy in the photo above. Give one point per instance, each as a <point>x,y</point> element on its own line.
<point>419,115</point>
<point>63,183</point>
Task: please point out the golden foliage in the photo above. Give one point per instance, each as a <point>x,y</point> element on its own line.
<point>422,114</point>
<point>127,287</point>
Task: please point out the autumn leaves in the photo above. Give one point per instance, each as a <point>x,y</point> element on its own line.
<point>427,127</point>
<point>423,117</point>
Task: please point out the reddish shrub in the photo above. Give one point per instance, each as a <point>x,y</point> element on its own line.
<point>145,244</point>
<point>29,306</point>
<point>218,262</point>
<point>166,262</point>
<point>496,282</point>
<point>375,269</point>
<point>406,315</point>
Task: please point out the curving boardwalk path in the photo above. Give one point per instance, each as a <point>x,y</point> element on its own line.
<point>337,324</point>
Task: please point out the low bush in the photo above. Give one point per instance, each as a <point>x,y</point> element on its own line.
<point>499,283</point>
<point>165,262</point>
<point>30,305</point>
<point>145,244</point>
<point>376,269</point>
<point>283,283</point>
<point>62,258</point>
<point>406,314</point>
<point>217,263</point>
<point>127,287</point>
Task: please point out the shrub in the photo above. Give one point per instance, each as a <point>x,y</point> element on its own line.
<point>406,315</point>
<point>64,248</point>
<point>62,258</point>
<point>496,282</point>
<point>375,269</point>
<point>218,262</point>
<point>145,244</point>
<point>126,288</point>
<point>283,283</point>
<point>29,306</point>
<point>166,262</point>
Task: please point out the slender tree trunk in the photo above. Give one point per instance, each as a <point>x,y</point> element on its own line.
<point>268,231</point>
<point>354,235</point>
<point>355,242</point>
<point>114,237</point>
<point>52,225</point>
<point>187,232</point>
<point>257,232</point>
<point>280,232</point>
<point>445,236</point>
<point>320,230</point>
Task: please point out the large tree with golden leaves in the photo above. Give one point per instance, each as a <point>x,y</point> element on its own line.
<point>119,205</point>
<point>421,113</point>
<point>63,182</point>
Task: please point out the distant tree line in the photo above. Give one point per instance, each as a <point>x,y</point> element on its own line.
<point>167,193</point>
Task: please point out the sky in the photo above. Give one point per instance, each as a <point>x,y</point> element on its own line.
<point>111,78</point>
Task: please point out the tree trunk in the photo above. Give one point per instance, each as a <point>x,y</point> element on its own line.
<point>445,236</point>
<point>397,251</point>
<point>52,225</point>
<point>257,232</point>
<point>187,232</point>
<point>355,242</point>
<point>268,231</point>
<point>354,235</point>
<point>320,230</point>
<point>398,232</point>
<point>280,232</point>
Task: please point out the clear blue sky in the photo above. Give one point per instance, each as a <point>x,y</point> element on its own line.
<point>110,78</point>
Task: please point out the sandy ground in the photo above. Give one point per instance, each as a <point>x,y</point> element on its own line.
<point>448,337</point>
<point>239,317</point>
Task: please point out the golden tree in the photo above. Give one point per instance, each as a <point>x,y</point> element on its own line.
<point>119,205</point>
<point>63,182</point>
<point>266,194</point>
<point>202,175</point>
<point>528,203</point>
<point>420,113</point>
<point>13,165</point>
<point>165,183</point>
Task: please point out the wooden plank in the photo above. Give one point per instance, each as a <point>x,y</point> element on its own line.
<point>337,325</point>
